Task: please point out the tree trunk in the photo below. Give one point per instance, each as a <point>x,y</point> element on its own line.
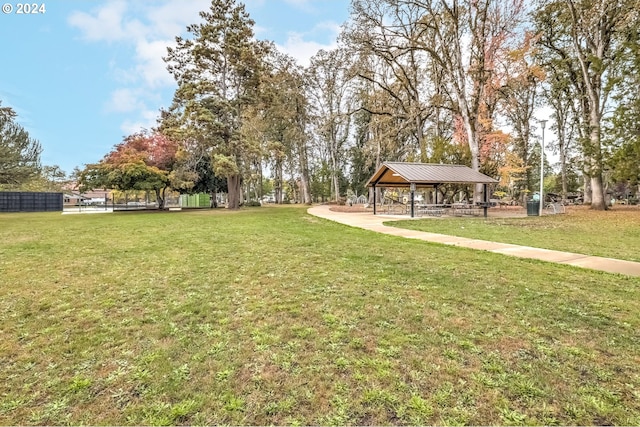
<point>422,142</point>
<point>278,182</point>
<point>233,186</point>
<point>335,183</point>
<point>562,148</point>
<point>305,189</point>
<point>563,176</point>
<point>260,183</point>
<point>475,158</point>
<point>160,197</point>
<point>305,192</point>
<point>472,139</point>
<point>587,190</point>
<point>598,201</point>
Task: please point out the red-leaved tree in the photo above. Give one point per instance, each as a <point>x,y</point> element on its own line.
<point>143,161</point>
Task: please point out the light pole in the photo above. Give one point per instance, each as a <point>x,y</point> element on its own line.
<point>541,204</point>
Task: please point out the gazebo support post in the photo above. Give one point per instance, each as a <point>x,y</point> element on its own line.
<point>375,202</point>
<point>412,188</point>
<point>486,200</point>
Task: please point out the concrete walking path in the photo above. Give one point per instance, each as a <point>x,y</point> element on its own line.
<point>372,222</point>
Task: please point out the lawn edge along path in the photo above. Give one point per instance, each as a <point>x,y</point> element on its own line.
<point>375,223</point>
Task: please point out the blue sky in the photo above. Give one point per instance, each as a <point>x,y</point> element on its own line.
<point>83,74</point>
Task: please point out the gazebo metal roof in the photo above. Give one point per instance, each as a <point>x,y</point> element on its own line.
<point>392,174</point>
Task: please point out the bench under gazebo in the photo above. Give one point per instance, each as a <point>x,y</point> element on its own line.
<point>426,175</point>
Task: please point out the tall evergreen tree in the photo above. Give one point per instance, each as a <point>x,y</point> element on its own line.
<point>19,153</point>
<point>218,74</point>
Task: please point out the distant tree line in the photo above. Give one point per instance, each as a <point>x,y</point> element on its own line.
<point>442,81</point>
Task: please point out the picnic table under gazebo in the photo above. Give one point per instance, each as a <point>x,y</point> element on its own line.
<point>427,175</point>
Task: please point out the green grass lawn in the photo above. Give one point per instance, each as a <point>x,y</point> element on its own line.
<point>271,316</point>
<point>612,234</point>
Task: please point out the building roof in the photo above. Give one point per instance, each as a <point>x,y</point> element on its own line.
<point>392,174</point>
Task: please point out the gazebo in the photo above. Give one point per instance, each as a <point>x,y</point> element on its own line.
<point>426,175</point>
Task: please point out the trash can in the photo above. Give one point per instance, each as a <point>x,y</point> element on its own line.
<point>533,208</point>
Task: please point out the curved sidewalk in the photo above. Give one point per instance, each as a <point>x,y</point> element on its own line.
<point>372,222</point>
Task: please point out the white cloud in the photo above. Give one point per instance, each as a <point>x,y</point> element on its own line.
<point>171,18</point>
<point>104,25</point>
<point>150,35</point>
<point>147,120</point>
<point>109,22</point>
<point>151,67</point>
<point>125,101</point>
<point>302,50</point>
<point>252,3</point>
<point>258,30</point>
<point>143,74</point>
<point>304,5</point>
<point>147,28</point>
<point>330,26</point>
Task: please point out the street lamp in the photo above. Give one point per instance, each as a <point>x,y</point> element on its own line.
<point>542,123</point>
